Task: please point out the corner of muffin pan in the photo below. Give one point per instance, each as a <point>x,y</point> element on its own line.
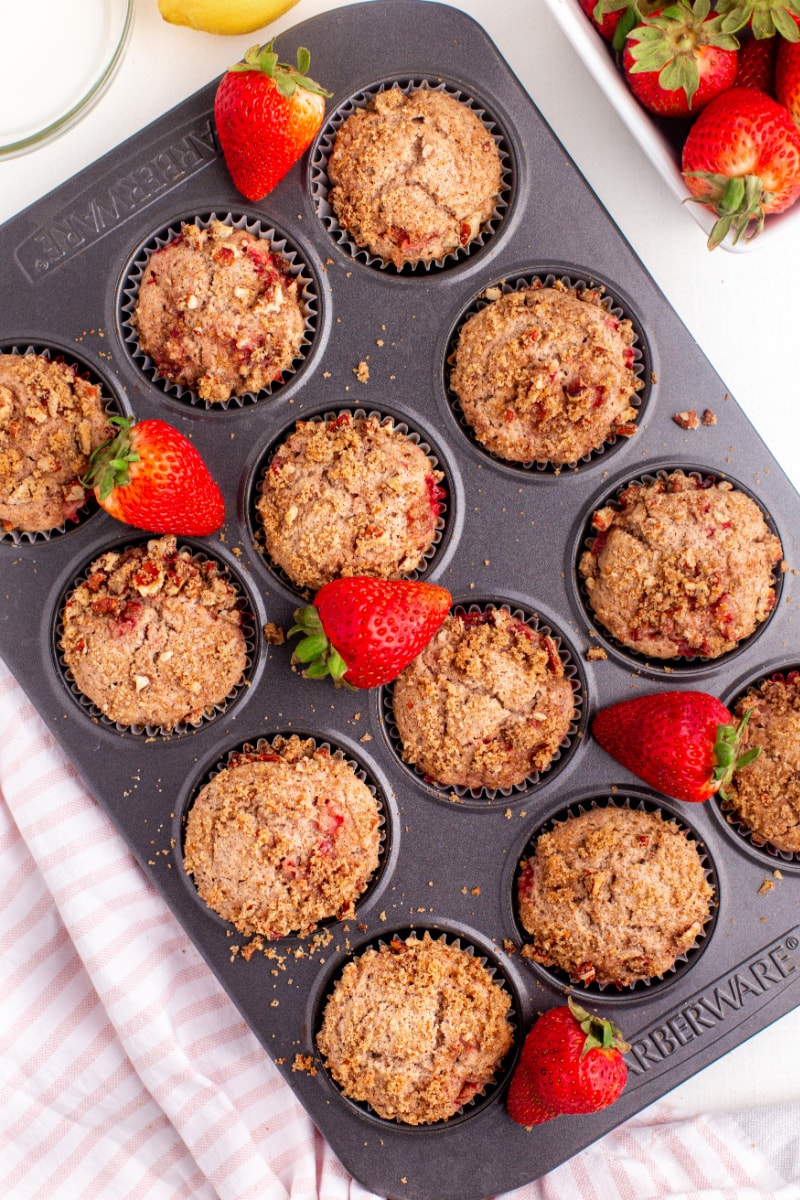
<point>581,537</point>
<point>490,799</point>
<point>301,264</point>
<point>621,797</point>
<point>614,301</point>
<point>250,606</point>
<point>451,518</point>
<point>453,933</point>
<point>487,110</point>
<point>87,368</point>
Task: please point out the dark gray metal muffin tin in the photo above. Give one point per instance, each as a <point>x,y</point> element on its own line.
<point>514,537</point>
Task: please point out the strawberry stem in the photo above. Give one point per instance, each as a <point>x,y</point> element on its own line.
<point>108,466</point>
<point>315,648</point>
<point>287,78</point>
<point>726,753</point>
<point>601,1034</point>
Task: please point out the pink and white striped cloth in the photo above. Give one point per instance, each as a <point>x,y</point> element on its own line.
<point>126,1072</point>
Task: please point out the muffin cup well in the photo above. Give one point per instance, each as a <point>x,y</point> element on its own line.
<point>250,626</point>
<point>612,304</point>
<point>490,960</point>
<point>694,664</point>
<point>272,743</point>
<point>636,802</point>
<point>320,186</point>
<point>85,370</point>
<point>447,500</point>
<point>279,242</point>
<point>480,797</point>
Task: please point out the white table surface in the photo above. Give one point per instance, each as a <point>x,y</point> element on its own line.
<point>742,309</point>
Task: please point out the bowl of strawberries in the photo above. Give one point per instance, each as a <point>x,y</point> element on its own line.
<point>711,91</point>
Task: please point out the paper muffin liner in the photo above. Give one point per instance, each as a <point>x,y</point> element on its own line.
<point>249,626</point>
<point>320,187</point>
<point>773,856</point>
<point>482,796</point>
<point>273,743</point>
<point>497,974</point>
<point>87,371</point>
<point>444,523</point>
<point>610,303</point>
<point>562,979</point>
<point>691,664</point>
<point>294,264</point>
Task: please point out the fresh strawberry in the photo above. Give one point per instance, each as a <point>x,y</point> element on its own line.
<point>684,744</point>
<point>741,158</point>
<point>756,67</point>
<point>571,1062</point>
<point>678,59</point>
<point>787,78</point>
<point>364,631</point>
<point>152,477</point>
<point>765,18</point>
<point>614,19</point>
<point>267,115</point>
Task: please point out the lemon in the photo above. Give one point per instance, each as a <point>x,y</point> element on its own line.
<point>223,16</point>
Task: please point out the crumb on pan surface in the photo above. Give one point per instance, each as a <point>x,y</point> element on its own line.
<point>766,793</point>
<point>416,1028</point>
<point>283,838</point>
<point>414,176</point>
<point>153,636</point>
<point>349,496</point>
<point>546,374</point>
<point>613,896</point>
<point>485,704</point>
<point>51,420</point>
<point>681,568</point>
<point>218,312</point>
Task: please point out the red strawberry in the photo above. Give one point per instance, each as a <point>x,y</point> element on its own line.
<point>152,477</point>
<point>679,58</point>
<point>765,18</point>
<point>267,115</point>
<point>364,631</point>
<point>683,744</point>
<point>741,158</point>
<point>756,67</point>
<point>787,78</point>
<point>614,19</point>
<point>571,1063</point>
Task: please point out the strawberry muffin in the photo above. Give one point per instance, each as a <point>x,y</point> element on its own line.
<point>51,420</point>
<point>153,636</point>
<point>681,567</point>
<point>765,795</point>
<point>613,896</point>
<point>218,312</point>
<point>545,374</point>
<point>486,704</point>
<point>414,176</point>
<point>283,838</point>
<point>416,1028</point>
<point>350,496</point>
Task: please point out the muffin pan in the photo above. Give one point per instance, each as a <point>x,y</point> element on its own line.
<point>380,339</point>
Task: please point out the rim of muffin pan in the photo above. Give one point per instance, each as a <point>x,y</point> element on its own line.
<point>579,280</point>
<point>627,798</point>
<point>87,369</point>
<point>250,624</point>
<point>452,934</point>
<point>407,83</point>
<point>489,799</point>
<point>675,668</point>
<point>364,770</point>
<point>761,849</point>
<point>281,243</point>
<point>447,520</point>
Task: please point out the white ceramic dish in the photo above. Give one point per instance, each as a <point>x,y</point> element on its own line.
<point>648,131</point>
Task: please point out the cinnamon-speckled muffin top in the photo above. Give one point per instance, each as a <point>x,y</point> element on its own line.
<point>414,176</point>
<point>283,838</point>
<point>218,312</point>
<point>416,1028</point>
<point>486,703</point>
<point>766,793</point>
<point>682,567</point>
<point>51,420</point>
<point>545,374</point>
<point>613,896</point>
